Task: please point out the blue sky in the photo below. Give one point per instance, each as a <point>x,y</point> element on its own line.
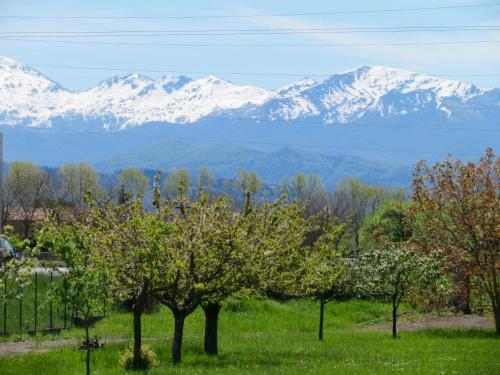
<point>301,60</point>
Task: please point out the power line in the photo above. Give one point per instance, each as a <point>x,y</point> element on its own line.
<point>240,142</point>
<point>276,74</point>
<point>273,45</point>
<point>383,28</point>
<point>234,32</point>
<point>256,15</point>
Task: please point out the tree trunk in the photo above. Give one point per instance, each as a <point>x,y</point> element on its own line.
<point>179,318</point>
<point>87,346</point>
<point>394,319</point>
<point>496,312</point>
<point>211,325</point>
<point>321,317</point>
<point>137,310</point>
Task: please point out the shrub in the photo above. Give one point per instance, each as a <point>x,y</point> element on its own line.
<point>148,359</point>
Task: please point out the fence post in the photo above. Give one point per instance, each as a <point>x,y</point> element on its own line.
<point>50,304</point>
<point>36,300</point>
<point>65,301</point>
<point>21,313</point>
<point>104,307</point>
<point>5,306</point>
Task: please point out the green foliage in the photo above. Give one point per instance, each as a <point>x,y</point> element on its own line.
<point>275,238</point>
<point>325,267</point>
<point>392,222</point>
<point>74,181</point>
<point>13,269</point>
<point>394,269</point>
<point>177,184</point>
<point>86,282</point>
<point>133,182</point>
<point>148,359</point>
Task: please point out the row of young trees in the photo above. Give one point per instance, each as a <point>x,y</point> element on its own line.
<point>194,250</point>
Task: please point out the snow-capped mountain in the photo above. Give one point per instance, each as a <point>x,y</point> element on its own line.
<point>368,93</point>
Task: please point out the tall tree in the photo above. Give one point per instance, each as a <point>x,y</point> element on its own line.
<point>353,201</point>
<point>249,183</point>
<point>29,185</point>
<point>176,180</point>
<point>133,182</point>
<point>459,205</point>
<point>206,181</point>
<point>74,181</point>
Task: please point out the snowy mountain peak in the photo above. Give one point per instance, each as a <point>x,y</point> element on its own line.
<point>171,83</point>
<point>297,87</point>
<point>28,98</point>
<point>133,80</point>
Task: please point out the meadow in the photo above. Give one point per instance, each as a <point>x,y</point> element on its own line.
<point>259,336</point>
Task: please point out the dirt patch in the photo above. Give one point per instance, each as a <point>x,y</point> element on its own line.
<point>437,322</point>
<point>25,347</point>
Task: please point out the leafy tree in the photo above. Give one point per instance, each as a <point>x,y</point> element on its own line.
<point>29,186</point>
<point>176,180</point>
<point>276,251</point>
<point>326,275</point>
<point>74,181</point>
<point>127,234</point>
<point>309,191</point>
<point>353,201</point>
<point>8,203</point>
<point>133,182</point>
<point>249,183</point>
<point>86,282</point>
<point>11,266</point>
<point>393,221</point>
<point>459,205</point>
<point>395,269</point>
<point>206,181</point>
<point>194,260</point>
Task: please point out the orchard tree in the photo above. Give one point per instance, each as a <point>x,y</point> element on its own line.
<point>275,238</point>
<point>127,234</point>
<point>87,280</point>
<point>223,263</point>
<point>459,206</point>
<point>394,270</point>
<point>325,269</point>
<point>184,271</point>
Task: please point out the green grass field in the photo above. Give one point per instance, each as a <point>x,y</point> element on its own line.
<point>267,337</point>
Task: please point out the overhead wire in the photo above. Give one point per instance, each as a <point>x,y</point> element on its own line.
<point>258,15</point>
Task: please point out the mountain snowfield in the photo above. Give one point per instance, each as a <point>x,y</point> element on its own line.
<point>370,93</point>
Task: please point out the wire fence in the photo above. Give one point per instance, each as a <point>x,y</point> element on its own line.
<point>32,310</point>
